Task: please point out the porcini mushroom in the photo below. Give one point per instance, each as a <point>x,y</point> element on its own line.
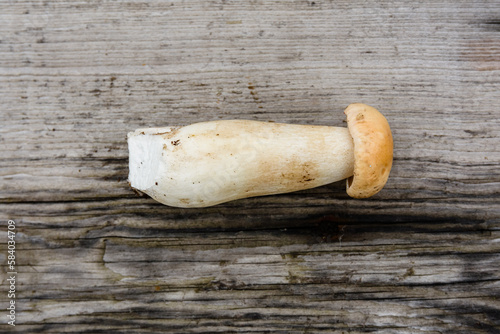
<point>208,163</point>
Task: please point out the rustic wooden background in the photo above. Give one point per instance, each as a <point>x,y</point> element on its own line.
<point>422,256</point>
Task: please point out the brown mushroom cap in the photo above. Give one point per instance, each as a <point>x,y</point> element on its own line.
<point>373,148</point>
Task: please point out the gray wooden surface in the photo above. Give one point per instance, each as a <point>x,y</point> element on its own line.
<point>422,256</point>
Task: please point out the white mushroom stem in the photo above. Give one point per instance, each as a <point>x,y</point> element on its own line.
<point>209,163</point>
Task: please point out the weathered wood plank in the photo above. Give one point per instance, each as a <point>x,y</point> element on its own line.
<point>421,256</point>
<point>443,151</point>
<point>367,277</point>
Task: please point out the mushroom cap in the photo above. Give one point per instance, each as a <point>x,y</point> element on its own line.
<point>373,148</point>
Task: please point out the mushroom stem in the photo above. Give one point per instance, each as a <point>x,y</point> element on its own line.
<point>208,163</point>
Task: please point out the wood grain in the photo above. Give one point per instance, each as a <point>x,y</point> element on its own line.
<point>421,256</point>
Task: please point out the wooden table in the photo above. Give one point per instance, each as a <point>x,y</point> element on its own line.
<point>422,256</point>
